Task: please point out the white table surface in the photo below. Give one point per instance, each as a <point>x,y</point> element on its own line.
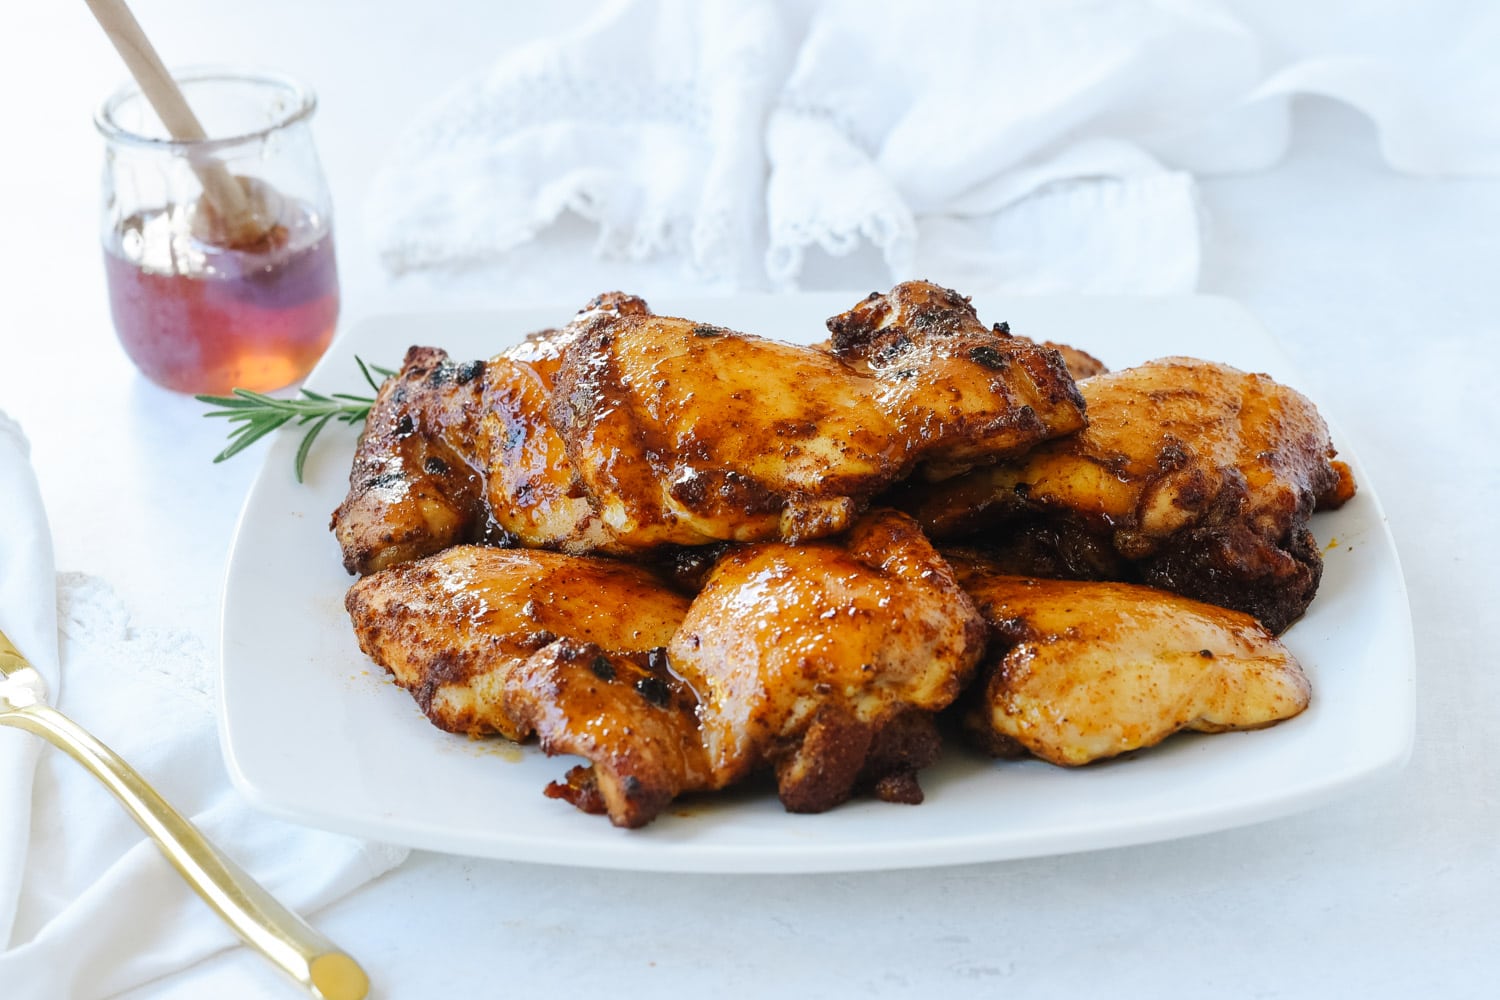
<point>1383,288</point>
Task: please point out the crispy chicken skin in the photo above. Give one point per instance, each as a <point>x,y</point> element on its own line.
<point>827,661</point>
<point>688,434</point>
<point>1080,671</point>
<point>458,453</point>
<point>572,649</point>
<point>670,549</point>
<point>627,433</point>
<point>960,393</point>
<point>1191,476</point>
<point>624,713</point>
<point>453,628</point>
<point>413,489</point>
<point>1081,364</point>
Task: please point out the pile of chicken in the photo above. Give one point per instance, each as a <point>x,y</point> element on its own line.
<point>690,555</point>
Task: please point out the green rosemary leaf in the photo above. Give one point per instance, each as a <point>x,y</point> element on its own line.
<point>364,370</point>
<point>246,435</point>
<point>306,445</point>
<point>253,415</point>
<point>228,402</point>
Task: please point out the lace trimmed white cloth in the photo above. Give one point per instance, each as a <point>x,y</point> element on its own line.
<point>1006,145</point>
<point>646,122</point>
<point>88,906</point>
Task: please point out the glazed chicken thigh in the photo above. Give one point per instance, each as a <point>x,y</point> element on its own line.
<point>828,660</point>
<point>1191,476</point>
<point>412,494</point>
<point>572,649</point>
<point>825,662</point>
<point>1080,671</point>
<point>627,433</point>
<point>452,628</point>
<point>462,453</point>
<point>675,551</point>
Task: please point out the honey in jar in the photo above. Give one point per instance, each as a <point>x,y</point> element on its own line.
<point>199,306</point>
<point>199,316</point>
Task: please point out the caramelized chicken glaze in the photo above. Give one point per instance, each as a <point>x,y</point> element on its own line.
<point>825,662</point>
<point>627,715</point>
<point>572,649</point>
<point>1078,671</point>
<point>1191,476</point>
<point>825,637</point>
<point>453,627</point>
<point>413,489</point>
<point>628,433</point>
<point>456,453</point>
<point>828,660</point>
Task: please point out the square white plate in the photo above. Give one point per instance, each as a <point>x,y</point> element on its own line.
<point>313,731</point>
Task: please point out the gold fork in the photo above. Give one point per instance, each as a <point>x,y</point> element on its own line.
<point>264,924</point>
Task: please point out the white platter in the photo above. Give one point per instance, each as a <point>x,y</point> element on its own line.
<point>313,732</point>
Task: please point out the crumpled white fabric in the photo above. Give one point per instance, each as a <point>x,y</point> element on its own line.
<point>28,617</point>
<point>88,906</point>
<point>1016,146</point>
<point>646,122</point>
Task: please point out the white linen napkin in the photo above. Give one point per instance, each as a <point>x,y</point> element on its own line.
<point>28,616</point>
<point>88,905</point>
<point>646,122</point>
<point>1017,146</point>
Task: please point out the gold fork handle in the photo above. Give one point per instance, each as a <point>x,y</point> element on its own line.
<point>263,923</point>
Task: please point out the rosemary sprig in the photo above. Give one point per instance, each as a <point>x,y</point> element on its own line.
<point>257,414</point>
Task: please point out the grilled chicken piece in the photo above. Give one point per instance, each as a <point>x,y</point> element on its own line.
<point>959,394</point>
<point>688,434</point>
<point>571,649</point>
<point>827,661</point>
<point>1081,364</point>
<point>1080,671</point>
<point>453,628</point>
<point>1191,476</point>
<point>457,453</point>
<point>531,491</point>
<point>630,433</point>
<point>412,490</point>
<point>624,713</point>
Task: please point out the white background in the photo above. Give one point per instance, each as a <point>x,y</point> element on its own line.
<point>1382,287</point>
